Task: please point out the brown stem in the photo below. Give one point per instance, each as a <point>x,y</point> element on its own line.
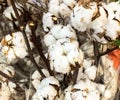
<point>76,73</point>
<point>25,38</point>
<point>38,45</point>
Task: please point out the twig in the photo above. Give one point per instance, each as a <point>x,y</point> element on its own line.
<point>38,45</point>
<point>25,38</point>
<point>96,53</point>
<point>76,73</point>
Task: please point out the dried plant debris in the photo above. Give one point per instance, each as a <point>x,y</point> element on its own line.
<point>59,50</point>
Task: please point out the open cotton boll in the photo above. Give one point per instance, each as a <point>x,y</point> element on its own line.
<point>54,51</point>
<point>18,40</point>
<point>60,31</point>
<point>10,54</point>
<point>68,44</point>
<point>9,10</point>
<point>49,20</point>
<point>48,88</point>
<point>53,7</point>
<point>81,16</point>
<point>61,65</point>
<point>76,55</point>
<point>112,28</point>
<point>83,90</point>
<point>18,50</point>
<point>64,10</point>
<point>91,72</point>
<point>99,20</point>
<point>37,77</point>
<point>49,39</point>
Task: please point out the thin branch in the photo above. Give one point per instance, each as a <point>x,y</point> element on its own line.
<point>38,45</point>
<point>25,38</point>
<point>76,73</point>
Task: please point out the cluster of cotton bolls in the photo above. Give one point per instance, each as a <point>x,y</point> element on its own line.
<point>101,22</point>
<point>7,87</point>
<point>14,47</point>
<point>102,19</point>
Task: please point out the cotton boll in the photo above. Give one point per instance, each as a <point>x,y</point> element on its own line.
<point>18,50</point>
<point>91,72</point>
<point>60,31</point>
<point>61,64</point>
<point>112,28</point>
<point>75,56</point>
<point>55,31</point>
<point>10,54</point>
<point>81,16</point>
<point>98,23</point>
<point>9,10</point>
<point>87,63</point>
<point>55,51</point>
<point>37,77</point>
<point>49,20</point>
<point>64,11</point>
<point>49,39</point>
<point>48,88</point>
<point>12,87</point>
<point>53,7</point>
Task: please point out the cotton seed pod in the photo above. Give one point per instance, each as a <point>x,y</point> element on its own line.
<point>48,88</point>
<point>9,11</point>
<point>49,20</point>
<point>81,16</point>
<point>49,39</point>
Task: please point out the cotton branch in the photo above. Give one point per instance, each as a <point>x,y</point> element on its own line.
<point>25,38</point>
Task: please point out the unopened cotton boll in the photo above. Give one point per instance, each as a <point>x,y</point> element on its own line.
<point>9,10</point>
<point>81,16</point>
<point>49,39</point>
<point>48,88</point>
<point>91,72</point>
<point>75,56</point>
<point>49,20</point>
<point>61,64</point>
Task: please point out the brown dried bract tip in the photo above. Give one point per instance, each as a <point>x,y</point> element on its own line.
<point>83,2</point>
